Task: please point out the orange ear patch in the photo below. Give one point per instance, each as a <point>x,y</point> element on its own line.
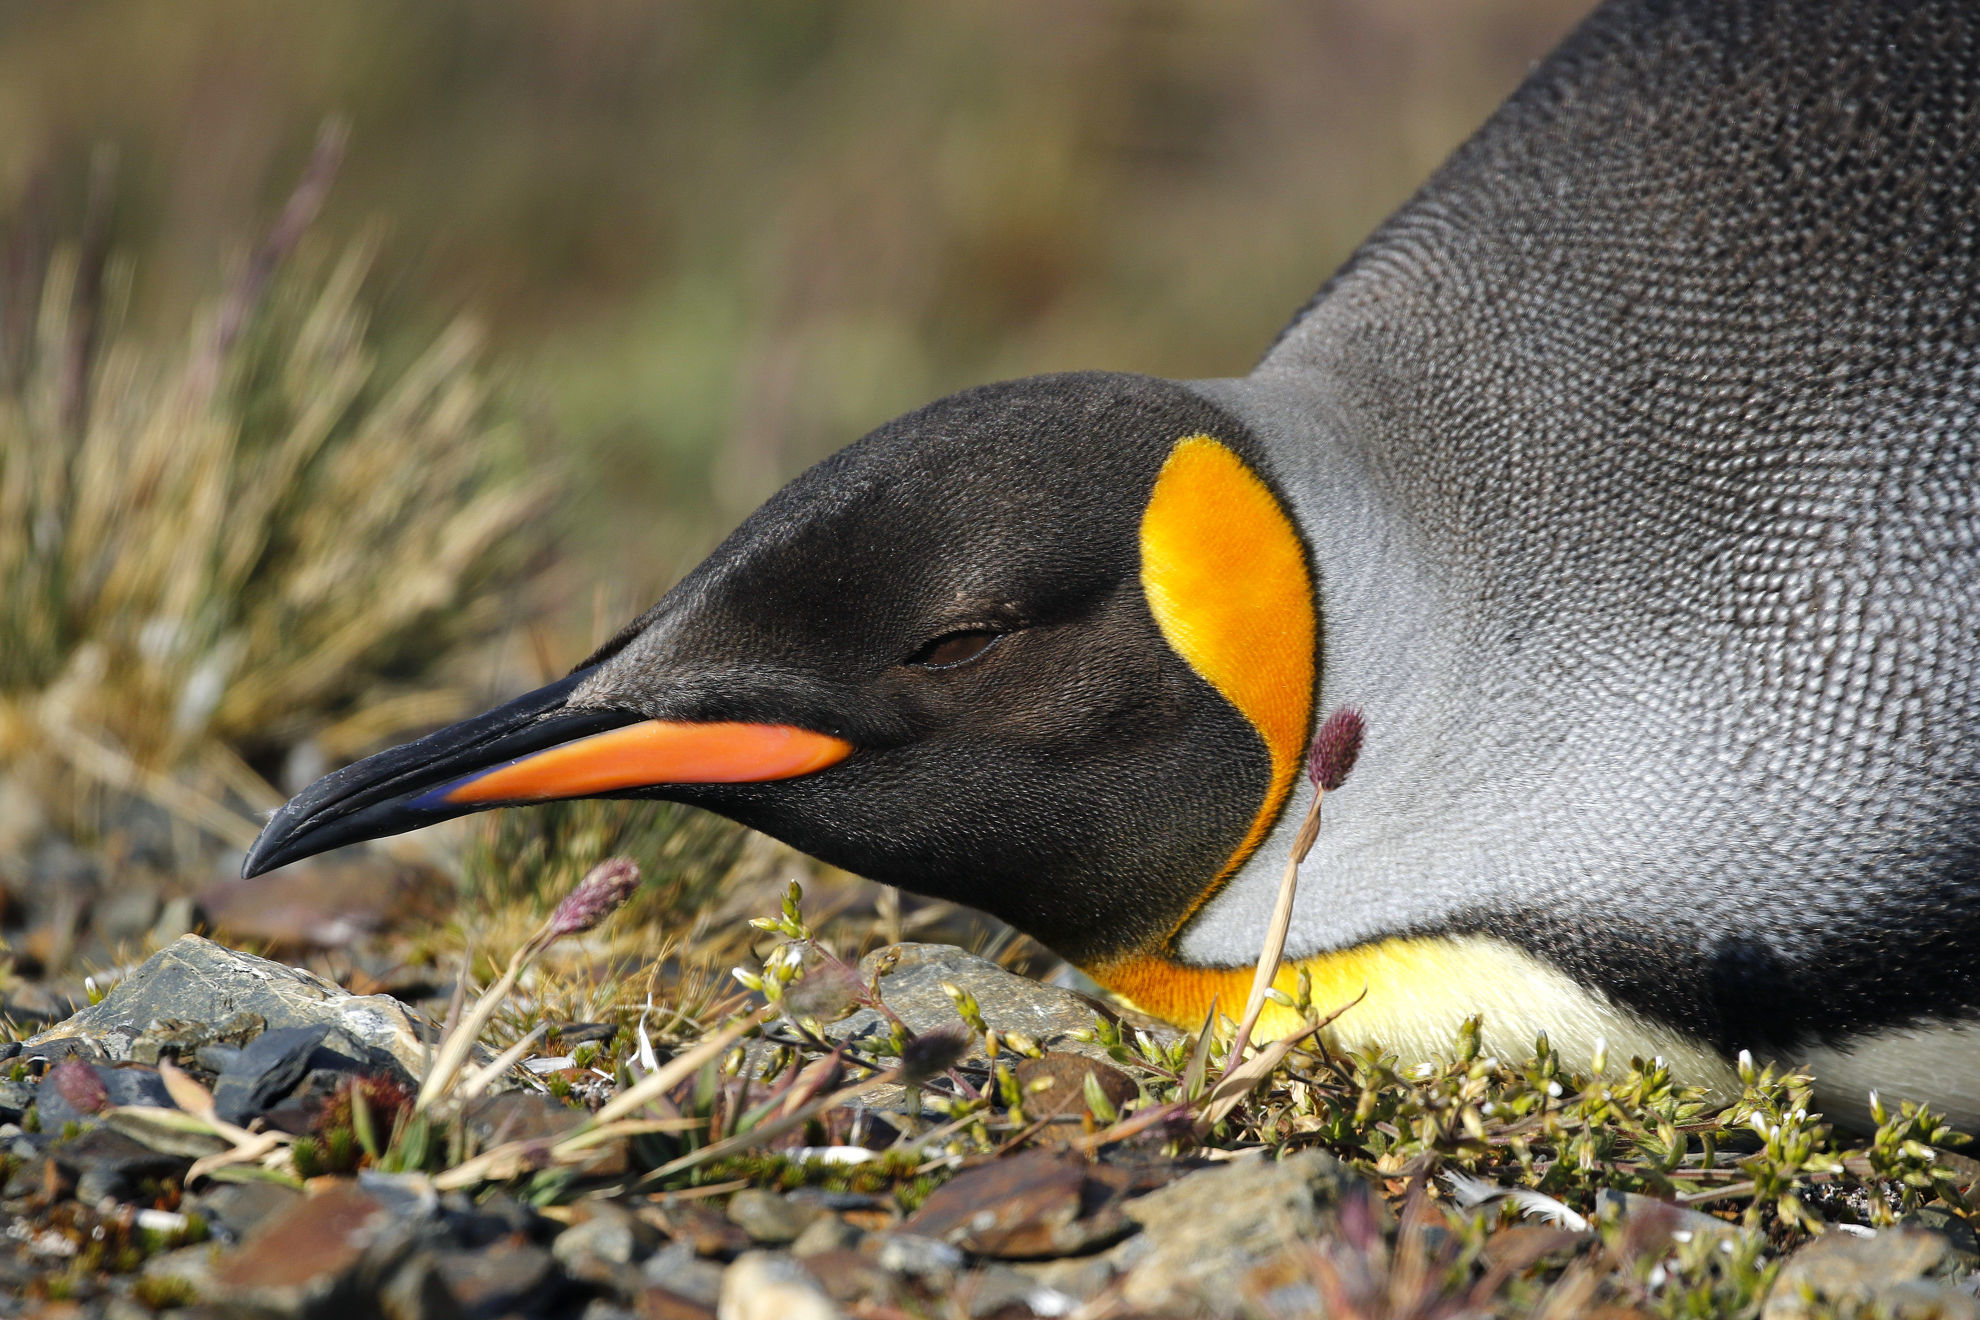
<point>1225,575</point>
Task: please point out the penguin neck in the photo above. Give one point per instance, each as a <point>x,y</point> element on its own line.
<point>1387,647</point>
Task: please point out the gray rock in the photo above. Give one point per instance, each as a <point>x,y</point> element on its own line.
<point>676,1268</point>
<point>476,1220</point>
<point>15,1097</point>
<point>265,1071</point>
<point>332,1254</point>
<point>504,1278</point>
<point>826,1233</point>
<point>405,1195</point>
<point>763,1286</point>
<point>189,1265</point>
<point>997,1289</point>
<point>417,1290</point>
<point>925,1258</point>
<point>1204,1233</point>
<point>1080,1277</point>
<point>768,1217</point>
<point>1959,1235</point>
<point>913,989</point>
<point>211,1044</point>
<point>107,1165</point>
<point>196,980</point>
<point>236,1209</point>
<point>605,1250</point>
<point>1842,1274</point>
<point>611,1233</point>
<point>124,1086</point>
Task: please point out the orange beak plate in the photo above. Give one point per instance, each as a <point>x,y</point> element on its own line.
<point>651,753</point>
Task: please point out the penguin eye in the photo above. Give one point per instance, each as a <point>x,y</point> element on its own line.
<point>952,649</point>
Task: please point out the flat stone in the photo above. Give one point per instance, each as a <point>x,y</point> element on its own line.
<point>476,1220</point>
<point>1018,1202</point>
<point>657,1302</point>
<point>107,1164</point>
<point>415,1290</point>
<point>190,1265</point>
<point>605,1250</point>
<point>122,1086</point>
<point>1035,1204</point>
<point>998,1290</point>
<point>210,1044</point>
<point>913,989</point>
<point>309,1258</point>
<point>504,1277</point>
<point>826,1233</point>
<point>682,1274</point>
<point>1205,1234</point>
<point>15,1097</point>
<point>1056,1084</point>
<point>237,1209</point>
<point>769,1218</point>
<point>852,1277</point>
<point>762,1286</point>
<point>925,1258</point>
<point>706,1231</point>
<point>194,979</point>
<point>1080,1277</point>
<point>1841,1273</point>
<point>520,1116</point>
<point>265,1071</point>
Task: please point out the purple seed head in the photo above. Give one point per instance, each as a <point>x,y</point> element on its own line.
<point>77,1083</point>
<point>1334,749</point>
<point>603,890</point>
<point>934,1052</point>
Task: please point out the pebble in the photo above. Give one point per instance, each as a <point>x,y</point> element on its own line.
<point>677,1269</point>
<point>913,988</point>
<point>236,1209</point>
<point>106,1164</point>
<point>1842,1274</point>
<point>1204,1233</point>
<point>123,1086</point>
<point>605,1250</point>
<point>504,1277</point>
<point>762,1286</point>
<point>769,1218</point>
<point>265,1070</point>
<point>923,1258</point>
<point>826,1233</point>
<point>194,980</point>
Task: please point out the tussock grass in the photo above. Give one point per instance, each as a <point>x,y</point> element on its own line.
<point>258,539</point>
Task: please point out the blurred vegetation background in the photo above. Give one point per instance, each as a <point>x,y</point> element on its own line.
<point>592,279</point>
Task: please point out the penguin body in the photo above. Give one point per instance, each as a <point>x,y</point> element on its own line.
<point>1626,479</point>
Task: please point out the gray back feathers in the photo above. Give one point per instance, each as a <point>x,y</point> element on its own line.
<point>1672,376</point>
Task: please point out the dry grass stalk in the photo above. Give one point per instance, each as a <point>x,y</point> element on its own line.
<point>230,545</point>
<point>1332,757</point>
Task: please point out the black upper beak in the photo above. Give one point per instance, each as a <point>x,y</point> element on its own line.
<point>392,791</point>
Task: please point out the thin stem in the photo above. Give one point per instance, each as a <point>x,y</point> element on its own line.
<point>1275,931</point>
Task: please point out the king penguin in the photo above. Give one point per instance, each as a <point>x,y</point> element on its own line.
<point>1625,479</point>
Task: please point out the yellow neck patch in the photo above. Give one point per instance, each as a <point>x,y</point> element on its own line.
<point>1225,575</point>
<point>1414,992</point>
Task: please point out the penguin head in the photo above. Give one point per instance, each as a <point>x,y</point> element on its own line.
<point>1042,648</point>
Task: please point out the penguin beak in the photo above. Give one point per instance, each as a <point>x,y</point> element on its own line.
<point>534,749</point>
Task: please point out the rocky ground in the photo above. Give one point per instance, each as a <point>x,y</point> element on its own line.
<point>925,1134</point>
